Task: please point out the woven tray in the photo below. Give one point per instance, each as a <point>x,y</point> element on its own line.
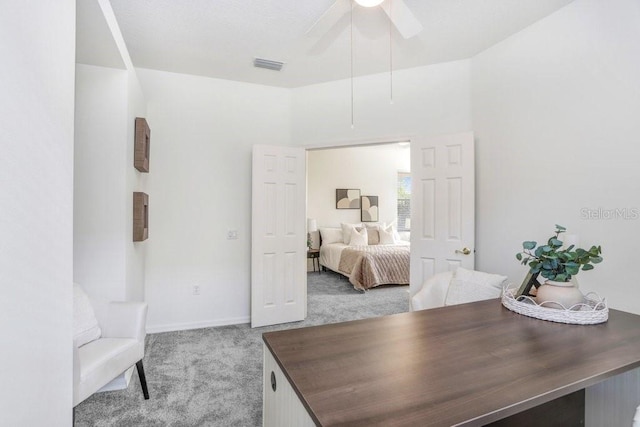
<point>594,310</point>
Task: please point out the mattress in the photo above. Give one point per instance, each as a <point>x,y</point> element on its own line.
<point>330,255</point>
<point>368,266</point>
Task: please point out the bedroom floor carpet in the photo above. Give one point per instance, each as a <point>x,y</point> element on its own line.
<point>213,376</point>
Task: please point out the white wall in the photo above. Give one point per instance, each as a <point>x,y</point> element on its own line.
<point>556,113</point>
<point>107,263</point>
<point>202,133</point>
<point>200,188</point>
<point>372,169</point>
<point>37,41</point>
<point>135,252</point>
<point>428,100</point>
<point>100,172</point>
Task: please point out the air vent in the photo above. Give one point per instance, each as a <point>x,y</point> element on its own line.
<point>268,64</point>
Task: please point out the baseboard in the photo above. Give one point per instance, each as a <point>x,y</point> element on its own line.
<point>198,325</point>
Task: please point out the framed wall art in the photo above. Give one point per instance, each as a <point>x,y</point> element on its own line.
<point>347,198</point>
<point>369,209</point>
<point>142,145</point>
<point>140,216</point>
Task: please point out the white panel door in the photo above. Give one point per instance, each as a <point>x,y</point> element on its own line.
<point>278,239</point>
<point>442,205</point>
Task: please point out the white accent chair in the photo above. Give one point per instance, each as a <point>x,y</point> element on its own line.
<point>119,347</point>
<point>461,287</point>
<point>433,292</point>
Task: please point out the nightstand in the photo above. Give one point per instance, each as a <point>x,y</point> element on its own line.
<point>314,255</point>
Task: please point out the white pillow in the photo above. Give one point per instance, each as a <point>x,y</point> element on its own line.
<point>479,277</point>
<point>396,235</point>
<point>359,238</point>
<point>394,224</point>
<point>386,237</point>
<point>85,324</point>
<point>469,286</point>
<point>346,231</point>
<point>331,235</point>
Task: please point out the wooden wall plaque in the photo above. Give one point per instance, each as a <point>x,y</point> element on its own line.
<point>142,145</point>
<point>140,216</point>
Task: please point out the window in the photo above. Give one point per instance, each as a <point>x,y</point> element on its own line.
<point>404,201</point>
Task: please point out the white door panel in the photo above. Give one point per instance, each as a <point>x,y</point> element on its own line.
<point>442,205</point>
<point>278,239</point>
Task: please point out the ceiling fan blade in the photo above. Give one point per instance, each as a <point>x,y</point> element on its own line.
<point>402,17</point>
<point>329,19</point>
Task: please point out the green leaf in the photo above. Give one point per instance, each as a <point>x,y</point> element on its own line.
<point>560,228</point>
<point>596,260</point>
<point>573,270</point>
<point>529,244</point>
<point>538,252</point>
<point>594,251</point>
<point>519,256</point>
<point>546,248</point>
<point>587,267</point>
<point>555,242</point>
<point>561,277</point>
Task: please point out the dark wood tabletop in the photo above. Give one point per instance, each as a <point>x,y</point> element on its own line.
<point>469,364</point>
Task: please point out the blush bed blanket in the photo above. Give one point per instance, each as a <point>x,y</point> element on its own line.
<point>375,265</point>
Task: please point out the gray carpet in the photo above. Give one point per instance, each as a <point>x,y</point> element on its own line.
<point>213,376</point>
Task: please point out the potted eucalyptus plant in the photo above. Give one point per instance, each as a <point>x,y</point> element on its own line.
<point>558,265</point>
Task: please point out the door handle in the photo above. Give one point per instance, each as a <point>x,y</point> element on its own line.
<point>464,251</point>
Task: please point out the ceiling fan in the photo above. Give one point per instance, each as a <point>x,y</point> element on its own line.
<point>397,11</point>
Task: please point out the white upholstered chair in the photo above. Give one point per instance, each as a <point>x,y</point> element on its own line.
<point>108,340</point>
<point>463,286</point>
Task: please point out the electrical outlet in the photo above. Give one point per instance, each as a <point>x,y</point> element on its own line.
<point>232,235</point>
<point>196,290</point>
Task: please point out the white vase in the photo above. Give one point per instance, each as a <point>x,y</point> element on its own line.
<point>564,293</point>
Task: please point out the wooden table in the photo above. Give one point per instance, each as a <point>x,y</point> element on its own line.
<point>471,364</point>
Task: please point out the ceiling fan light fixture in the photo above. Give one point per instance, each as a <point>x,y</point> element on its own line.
<point>369,3</point>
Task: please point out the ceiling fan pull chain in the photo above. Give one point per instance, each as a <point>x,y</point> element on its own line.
<point>391,51</point>
<point>351,17</point>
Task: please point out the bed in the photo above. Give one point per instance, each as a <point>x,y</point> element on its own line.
<point>368,266</point>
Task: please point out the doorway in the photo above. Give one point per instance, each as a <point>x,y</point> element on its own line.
<point>445,166</point>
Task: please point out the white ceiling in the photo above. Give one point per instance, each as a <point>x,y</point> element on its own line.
<point>220,38</point>
<point>94,42</point>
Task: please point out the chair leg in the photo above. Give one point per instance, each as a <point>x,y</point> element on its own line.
<point>143,379</point>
